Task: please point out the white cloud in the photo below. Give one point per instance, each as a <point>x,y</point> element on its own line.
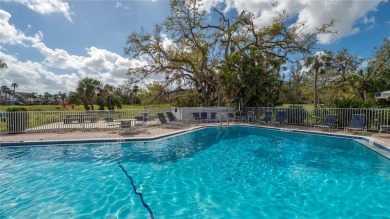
<point>106,66</point>
<point>101,64</point>
<point>314,12</point>
<point>121,5</point>
<point>48,7</point>
<point>10,35</point>
<point>58,58</point>
<point>33,76</point>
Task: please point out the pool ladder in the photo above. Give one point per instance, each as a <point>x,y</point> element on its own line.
<point>227,120</point>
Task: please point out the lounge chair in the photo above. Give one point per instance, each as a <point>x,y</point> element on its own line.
<point>329,122</point>
<point>163,121</point>
<point>267,118</point>
<point>203,116</point>
<point>139,121</point>
<point>172,119</point>
<point>196,117</point>
<point>231,117</point>
<point>213,117</point>
<point>383,128</point>
<point>125,126</point>
<point>280,118</point>
<point>358,123</point>
<point>250,116</point>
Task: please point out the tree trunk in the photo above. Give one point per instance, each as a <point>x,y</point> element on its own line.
<point>315,87</point>
<point>91,104</point>
<point>86,106</point>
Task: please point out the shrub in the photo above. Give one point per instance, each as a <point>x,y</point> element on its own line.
<point>349,103</point>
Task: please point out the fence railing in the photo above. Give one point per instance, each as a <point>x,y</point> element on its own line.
<point>311,117</point>
<point>70,121</point>
<point>98,121</point>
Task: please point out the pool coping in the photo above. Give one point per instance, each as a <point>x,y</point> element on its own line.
<point>97,140</point>
<point>369,142</point>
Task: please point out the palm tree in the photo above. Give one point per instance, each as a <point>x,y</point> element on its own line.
<point>110,98</point>
<point>86,91</point>
<point>14,85</point>
<point>62,96</point>
<point>46,95</point>
<point>32,96</point>
<point>55,97</point>
<point>6,90</point>
<point>317,65</point>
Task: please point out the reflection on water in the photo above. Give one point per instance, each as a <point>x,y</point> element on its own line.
<point>159,151</point>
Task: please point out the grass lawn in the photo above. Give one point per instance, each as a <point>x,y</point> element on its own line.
<point>79,107</point>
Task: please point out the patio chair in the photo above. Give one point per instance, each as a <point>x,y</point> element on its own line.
<point>139,121</point>
<point>267,118</point>
<point>172,119</point>
<point>358,123</point>
<point>125,126</point>
<point>196,117</point>
<point>382,127</point>
<point>163,121</point>
<point>203,116</point>
<point>213,117</point>
<point>231,117</point>
<point>280,118</point>
<point>250,115</point>
<point>329,122</point>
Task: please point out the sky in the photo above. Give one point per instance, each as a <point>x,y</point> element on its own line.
<point>49,45</point>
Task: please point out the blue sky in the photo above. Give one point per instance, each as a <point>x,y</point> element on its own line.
<point>49,45</point>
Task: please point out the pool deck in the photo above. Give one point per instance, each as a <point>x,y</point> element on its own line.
<point>157,131</point>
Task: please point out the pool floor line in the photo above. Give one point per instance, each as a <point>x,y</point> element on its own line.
<point>146,206</point>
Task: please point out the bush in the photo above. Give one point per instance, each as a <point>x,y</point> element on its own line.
<point>349,103</point>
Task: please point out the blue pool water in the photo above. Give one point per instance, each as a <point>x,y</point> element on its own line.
<point>235,172</point>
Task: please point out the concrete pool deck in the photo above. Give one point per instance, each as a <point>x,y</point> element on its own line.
<point>152,132</point>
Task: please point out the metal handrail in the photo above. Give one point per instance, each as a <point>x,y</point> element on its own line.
<point>220,122</point>
<point>227,120</point>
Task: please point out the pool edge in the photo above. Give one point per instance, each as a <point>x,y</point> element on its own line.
<point>368,142</point>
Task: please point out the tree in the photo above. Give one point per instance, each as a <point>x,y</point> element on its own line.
<point>317,65</point>
<point>56,97</point>
<point>73,98</point>
<point>3,64</point>
<point>47,96</point>
<point>155,93</point>
<point>196,47</point>
<point>107,97</point>
<point>62,96</point>
<point>32,96</point>
<point>14,85</point>
<point>86,91</point>
<point>248,77</point>
<point>5,90</point>
<point>135,91</point>
<point>376,76</point>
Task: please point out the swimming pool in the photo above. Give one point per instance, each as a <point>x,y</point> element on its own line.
<point>235,172</point>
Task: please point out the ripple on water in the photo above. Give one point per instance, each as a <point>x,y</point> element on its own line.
<point>212,173</point>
